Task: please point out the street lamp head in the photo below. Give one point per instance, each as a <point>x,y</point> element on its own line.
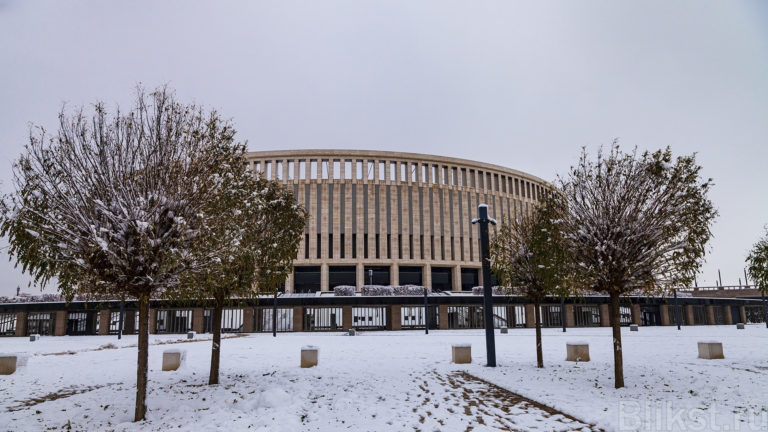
<point>482,213</point>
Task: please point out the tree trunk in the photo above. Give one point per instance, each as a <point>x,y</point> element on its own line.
<point>618,360</point>
<point>216,347</point>
<point>141,368</point>
<point>537,318</point>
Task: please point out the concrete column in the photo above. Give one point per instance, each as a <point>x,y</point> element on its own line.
<point>688,309</point>
<point>60,324</point>
<point>570,319</point>
<point>298,318</point>
<point>456,278</point>
<point>394,317</point>
<point>360,276</point>
<point>153,321</point>
<point>742,314</point>
<point>324,277</point>
<point>197,319</point>
<point>664,315</point>
<point>480,271</point>
<point>530,316</point>
<point>426,274</point>
<point>711,315</point>
<point>637,315</point>
<point>21,324</point>
<point>442,317</point>
<point>728,311</point>
<point>289,283</point>
<point>248,320</point>
<point>103,322</point>
<point>605,315</point>
<point>346,317</point>
<point>394,274</point>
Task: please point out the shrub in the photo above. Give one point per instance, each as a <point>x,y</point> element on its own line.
<point>344,290</point>
<point>408,290</point>
<point>376,290</point>
<point>497,290</point>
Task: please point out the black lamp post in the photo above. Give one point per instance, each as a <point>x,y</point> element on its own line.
<point>562,312</point>
<point>677,310</point>
<point>484,220</point>
<point>274,316</point>
<point>120,324</point>
<point>426,311</point>
<point>765,309</point>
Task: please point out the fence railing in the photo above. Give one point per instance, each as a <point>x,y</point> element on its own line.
<point>319,313</point>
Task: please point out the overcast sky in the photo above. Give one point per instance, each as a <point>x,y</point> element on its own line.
<point>519,84</point>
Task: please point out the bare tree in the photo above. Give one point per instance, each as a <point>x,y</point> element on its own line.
<point>114,204</point>
<point>636,222</point>
<point>529,255</point>
<point>757,266</point>
<point>251,243</point>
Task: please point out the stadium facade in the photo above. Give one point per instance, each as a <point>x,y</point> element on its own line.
<point>387,218</point>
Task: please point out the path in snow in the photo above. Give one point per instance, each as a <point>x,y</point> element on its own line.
<point>484,405</point>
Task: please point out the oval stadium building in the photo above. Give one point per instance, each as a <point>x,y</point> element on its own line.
<point>387,218</point>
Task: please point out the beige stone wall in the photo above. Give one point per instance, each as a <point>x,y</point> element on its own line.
<point>104,322</point>
<point>298,318</point>
<point>605,315</point>
<point>21,323</point>
<point>197,320</point>
<point>432,200</point>
<point>60,323</point>
<point>637,316</point>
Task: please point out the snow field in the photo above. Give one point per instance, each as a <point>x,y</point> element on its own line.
<point>392,381</point>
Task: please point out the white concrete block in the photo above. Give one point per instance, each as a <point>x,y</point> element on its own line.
<point>309,356</point>
<point>173,359</point>
<point>461,353</point>
<point>577,351</point>
<point>711,350</point>
<point>7,364</point>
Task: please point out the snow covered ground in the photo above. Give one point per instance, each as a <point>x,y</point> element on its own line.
<point>396,381</point>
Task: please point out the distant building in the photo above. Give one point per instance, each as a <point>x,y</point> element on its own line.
<point>388,218</point>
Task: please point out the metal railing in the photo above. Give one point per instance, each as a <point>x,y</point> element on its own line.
<point>263,319</point>
<point>471,317</point>
<point>322,319</point>
<point>718,288</point>
<point>41,323</point>
<point>77,323</point>
<point>7,324</point>
<point>550,316</point>
<point>173,321</point>
<point>326,313</point>
<point>683,315</point>
<point>719,314</point>
<point>754,314</point>
<point>369,318</point>
<point>586,316</point>
<point>412,317</point>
